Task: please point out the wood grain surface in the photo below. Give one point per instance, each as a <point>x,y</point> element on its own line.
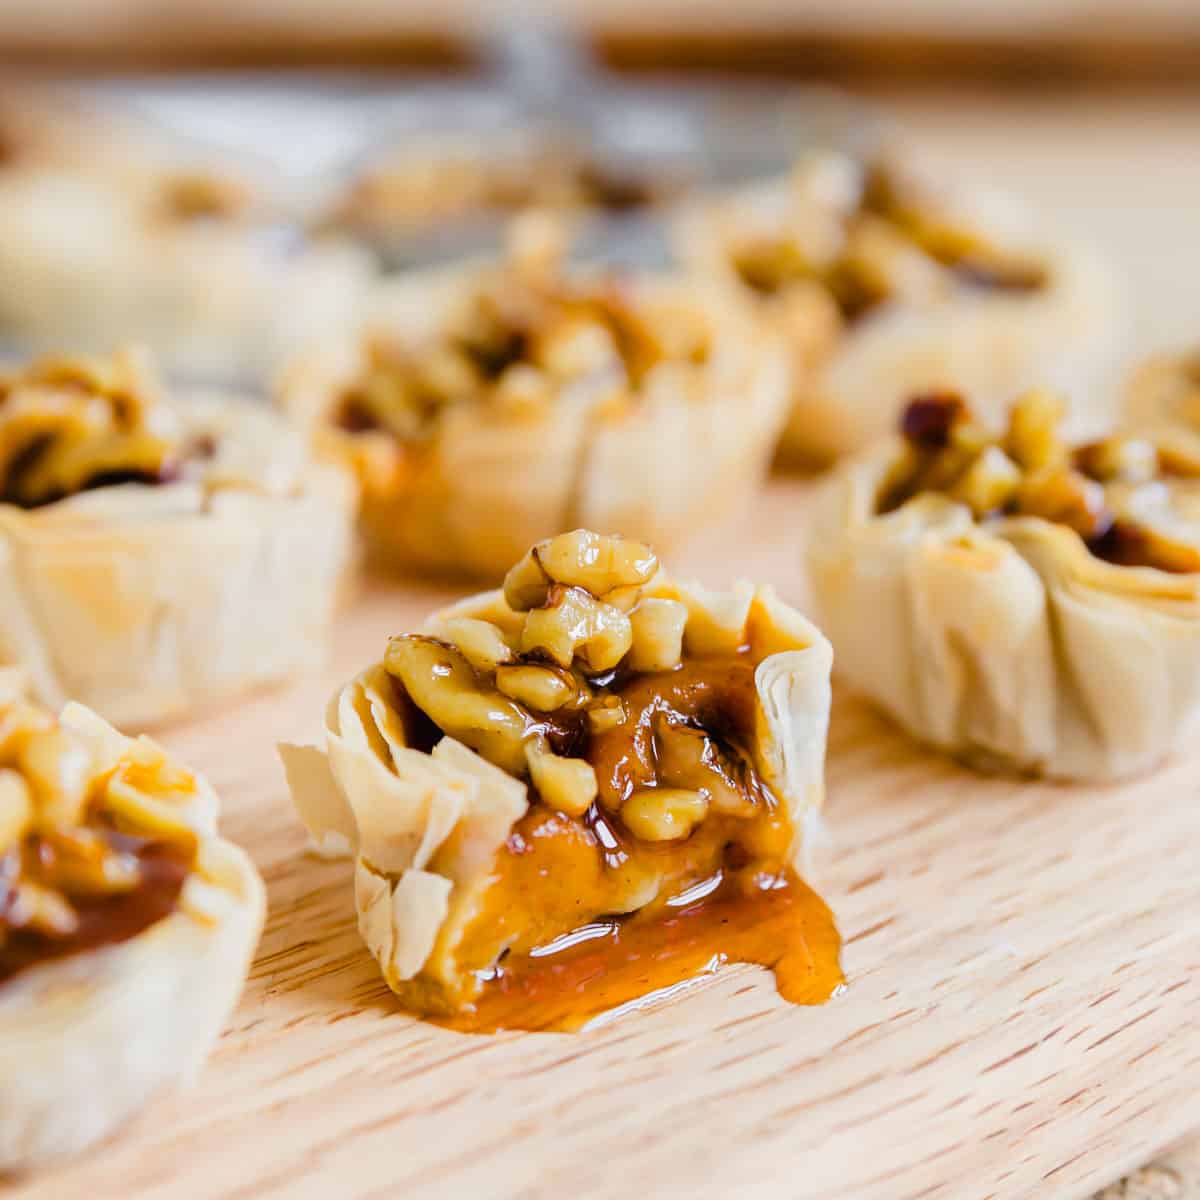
<point>1021,1019</point>
<point>1022,1015</point>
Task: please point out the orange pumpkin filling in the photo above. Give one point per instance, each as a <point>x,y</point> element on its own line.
<point>652,849</point>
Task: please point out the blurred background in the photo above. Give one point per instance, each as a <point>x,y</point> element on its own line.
<point>369,135</point>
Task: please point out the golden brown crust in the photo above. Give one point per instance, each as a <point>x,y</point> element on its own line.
<point>610,445</point>
<point>1005,639</point>
<point>147,600</point>
<point>89,1036</point>
<point>882,299</point>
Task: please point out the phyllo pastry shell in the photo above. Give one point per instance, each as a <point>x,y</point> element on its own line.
<point>884,282</point>
<point>492,405</point>
<point>1163,400</point>
<point>1013,600</point>
<point>419,193</point>
<point>595,760</point>
<point>126,927</point>
<point>155,555</point>
<point>110,231</point>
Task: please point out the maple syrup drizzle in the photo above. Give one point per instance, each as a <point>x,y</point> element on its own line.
<point>776,922</point>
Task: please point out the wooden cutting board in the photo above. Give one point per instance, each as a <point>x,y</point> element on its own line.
<point>1022,1016</point>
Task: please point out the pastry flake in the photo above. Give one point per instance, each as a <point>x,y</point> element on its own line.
<point>157,554</point>
<point>126,926</point>
<point>885,282</point>
<point>630,775</point>
<point>495,405</point>
<point>1013,599</point>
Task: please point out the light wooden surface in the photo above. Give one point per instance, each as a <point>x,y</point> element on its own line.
<point>1022,1016</point>
<point>1023,1012</point>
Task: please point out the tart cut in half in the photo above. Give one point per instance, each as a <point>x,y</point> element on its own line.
<point>579,790</point>
<point>126,927</point>
<point>493,405</point>
<point>157,555</point>
<point>1016,600</point>
<point>885,281</point>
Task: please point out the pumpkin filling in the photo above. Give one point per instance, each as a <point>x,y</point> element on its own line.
<point>91,851</point>
<point>653,848</point>
<point>868,234</point>
<point>1115,493</point>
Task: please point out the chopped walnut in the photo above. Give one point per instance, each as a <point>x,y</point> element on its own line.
<point>1030,471</point>
<point>567,784</point>
<point>67,425</point>
<point>656,626</point>
<point>871,233</point>
<point>584,688</point>
<point>519,337</point>
<point>664,814</point>
<point>193,195</point>
<point>84,821</point>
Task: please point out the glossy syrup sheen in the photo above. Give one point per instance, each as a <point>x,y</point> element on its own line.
<point>775,922</point>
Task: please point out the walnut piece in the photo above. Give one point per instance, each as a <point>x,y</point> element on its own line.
<point>574,679</point>
<point>520,335</point>
<point>72,809</point>
<point>1030,471</point>
<point>71,424</point>
<point>871,233</point>
<point>582,559</point>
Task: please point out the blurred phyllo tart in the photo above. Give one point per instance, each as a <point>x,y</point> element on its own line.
<point>126,927</point>
<point>1013,599</point>
<point>156,555</point>
<point>460,184</point>
<point>579,790</point>
<point>110,231</point>
<point>1163,400</point>
<point>491,405</point>
<point>885,282</point>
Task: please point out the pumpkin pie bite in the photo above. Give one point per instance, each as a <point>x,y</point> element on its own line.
<point>158,554</point>
<point>430,189</point>
<point>126,927</point>
<point>581,789</point>
<point>886,280</point>
<point>1015,599</point>
<point>494,404</point>
<point>110,230</point>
